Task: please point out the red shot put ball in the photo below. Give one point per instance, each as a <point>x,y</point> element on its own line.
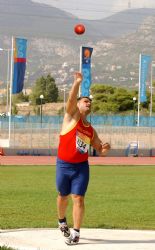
<point>79,29</point>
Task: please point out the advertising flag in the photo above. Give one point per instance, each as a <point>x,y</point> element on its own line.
<point>86,53</point>
<point>145,61</point>
<point>19,46</point>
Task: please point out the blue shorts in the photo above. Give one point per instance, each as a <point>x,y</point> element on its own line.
<point>72,178</point>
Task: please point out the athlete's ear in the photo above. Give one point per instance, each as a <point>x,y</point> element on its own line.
<point>78,104</point>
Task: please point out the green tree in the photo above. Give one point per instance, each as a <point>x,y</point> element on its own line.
<point>153,104</point>
<point>17,98</point>
<point>105,108</point>
<point>14,110</point>
<point>123,98</point>
<point>101,88</point>
<point>112,100</point>
<point>45,86</point>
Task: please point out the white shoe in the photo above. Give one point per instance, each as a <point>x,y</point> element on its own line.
<point>64,229</point>
<point>73,239</point>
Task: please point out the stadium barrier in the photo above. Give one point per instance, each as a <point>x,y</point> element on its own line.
<point>107,120</point>
<point>31,139</point>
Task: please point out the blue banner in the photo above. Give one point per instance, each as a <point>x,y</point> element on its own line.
<point>19,46</point>
<point>145,61</point>
<point>86,70</point>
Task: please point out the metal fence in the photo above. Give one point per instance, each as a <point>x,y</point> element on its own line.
<point>31,136</point>
<point>108,120</point>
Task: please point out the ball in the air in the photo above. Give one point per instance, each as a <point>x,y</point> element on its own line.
<point>79,29</point>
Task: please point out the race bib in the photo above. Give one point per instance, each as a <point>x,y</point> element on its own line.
<point>82,142</point>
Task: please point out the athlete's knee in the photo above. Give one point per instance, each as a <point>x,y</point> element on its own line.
<point>62,197</point>
<point>78,200</point>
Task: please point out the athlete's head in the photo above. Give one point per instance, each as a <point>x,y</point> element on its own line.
<point>84,104</point>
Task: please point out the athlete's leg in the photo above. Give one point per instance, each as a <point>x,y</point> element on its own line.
<point>63,187</point>
<point>78,210</point>
<point>78,213</point>
<point>62,202</point>
<point>78,189</point>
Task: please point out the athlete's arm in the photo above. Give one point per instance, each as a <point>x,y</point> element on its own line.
<point>71,106</point>
<point>101,148</point>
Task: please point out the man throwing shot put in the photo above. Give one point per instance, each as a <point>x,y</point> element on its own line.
<point>72,171</point>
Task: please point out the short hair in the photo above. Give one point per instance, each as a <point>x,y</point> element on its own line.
<point>81,97</point>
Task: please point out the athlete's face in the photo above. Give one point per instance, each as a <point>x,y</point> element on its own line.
<point>84,105</point>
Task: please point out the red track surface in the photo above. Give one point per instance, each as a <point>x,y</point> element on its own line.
<point>51,160</point>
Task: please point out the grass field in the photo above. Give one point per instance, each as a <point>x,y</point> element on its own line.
<point>117,197</point>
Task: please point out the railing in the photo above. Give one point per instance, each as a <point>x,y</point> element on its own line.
<point>97,120</point>
<point>32,136</point>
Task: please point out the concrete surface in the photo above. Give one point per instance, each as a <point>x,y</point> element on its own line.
<point>91,239</point>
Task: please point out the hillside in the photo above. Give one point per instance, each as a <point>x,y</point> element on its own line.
<point>54,48</point>
<point>30,19</point>
<point>120,57</point>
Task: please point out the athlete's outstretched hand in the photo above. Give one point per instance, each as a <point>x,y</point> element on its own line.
<point>78,77</point>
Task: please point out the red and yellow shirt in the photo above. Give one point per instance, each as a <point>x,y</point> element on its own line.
<point>74,145</point>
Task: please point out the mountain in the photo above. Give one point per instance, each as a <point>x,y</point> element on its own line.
<point>29,19</point>
<point>117,60</point>
<point>121,23</point>
<point>26,18</point>
<point>53,46</point>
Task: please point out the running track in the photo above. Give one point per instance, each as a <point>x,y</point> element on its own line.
<point>51,160</point>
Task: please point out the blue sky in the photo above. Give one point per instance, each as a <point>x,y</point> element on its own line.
<point>96,9</point>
